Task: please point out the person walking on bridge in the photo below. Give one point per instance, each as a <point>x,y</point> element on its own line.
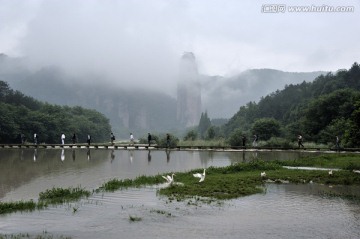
<point>131,139</point>
<point>300,139</point>
<point>62,138</point>
<point>149,139</point>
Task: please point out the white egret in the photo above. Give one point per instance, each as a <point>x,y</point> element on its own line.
<point>330,173</point>
<point>199,175</point>
<point>169,179</point>
<point>263,174</point>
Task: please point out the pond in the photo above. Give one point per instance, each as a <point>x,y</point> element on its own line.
<point>283,211</point>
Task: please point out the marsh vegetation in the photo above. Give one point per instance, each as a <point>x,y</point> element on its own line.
<point>221,183</point>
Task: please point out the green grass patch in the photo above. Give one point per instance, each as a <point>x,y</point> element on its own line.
<point>116,184</point>
<point>341,161</point>
<point>50,196</point>
<point>244,179</point>
<point>62,195</point>
<point>9,207</point>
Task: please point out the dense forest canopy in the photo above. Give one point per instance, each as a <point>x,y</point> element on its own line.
<point>20,114</point>
<point>318,110</point>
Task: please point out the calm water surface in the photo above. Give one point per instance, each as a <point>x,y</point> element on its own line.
<point>283,211</point>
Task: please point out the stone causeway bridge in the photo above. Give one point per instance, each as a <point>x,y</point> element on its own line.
<point>157,147</point>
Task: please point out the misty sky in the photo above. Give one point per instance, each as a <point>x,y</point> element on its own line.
<point>141,41</point>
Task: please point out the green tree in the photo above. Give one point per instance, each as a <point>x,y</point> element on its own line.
<point>266,128</point>
<point>236,138</point>
<point>352,131</point>
<point>324,110</point>
<point>211,132</point>
<point>162,140</point>
<point>22,114</point>
<point>191,135</point>
<point>204,124</point>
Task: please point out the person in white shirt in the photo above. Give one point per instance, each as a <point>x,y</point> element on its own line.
<point>131,139</point>
<point>62,138</point>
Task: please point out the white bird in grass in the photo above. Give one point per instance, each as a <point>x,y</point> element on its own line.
<point>330,173</point>
<point>199,175</point>
<point>169,179</point>
<point>263,174</point>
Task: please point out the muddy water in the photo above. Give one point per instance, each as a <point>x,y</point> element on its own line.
<point>283,211</point>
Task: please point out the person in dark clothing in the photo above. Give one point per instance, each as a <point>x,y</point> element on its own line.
<point>88,139</point>
<point>243,140</point>
<point>22,136</point>
<point>149,139</point>
<point>337,143</point>
<point>74,138</point>
<point>112,138</point>
<point>168,140</point>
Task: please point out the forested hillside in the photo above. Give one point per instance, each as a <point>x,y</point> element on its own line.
<point>20,114</point>
<point>319,110</point>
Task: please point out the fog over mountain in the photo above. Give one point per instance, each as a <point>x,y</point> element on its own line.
<point>139,110</point>
<point>132,47</point>
<point>223,96</point>
<point>138,43</point>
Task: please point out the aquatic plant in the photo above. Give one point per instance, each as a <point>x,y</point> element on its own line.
<point>44,235</point>
<point>115,184</point>
<point>61,195</point>
<point>168,214</point>
<point>134,218</point>
<point>9,207</point>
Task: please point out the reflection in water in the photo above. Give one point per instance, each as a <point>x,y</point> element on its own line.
<point>149,156</point>
<point>112,155</point>
<point>62,157</point>
<point>21,178</point>
<point>131,152</point>
<point>167,151</point>
<point>22,154</point>
<point>255,155</point>
<point>206,157</point>
<point>35,154</point>
<point>88,154</point>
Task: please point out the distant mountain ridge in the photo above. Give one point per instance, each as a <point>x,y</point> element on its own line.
<point>224,96</point>
<point>141,111</point>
